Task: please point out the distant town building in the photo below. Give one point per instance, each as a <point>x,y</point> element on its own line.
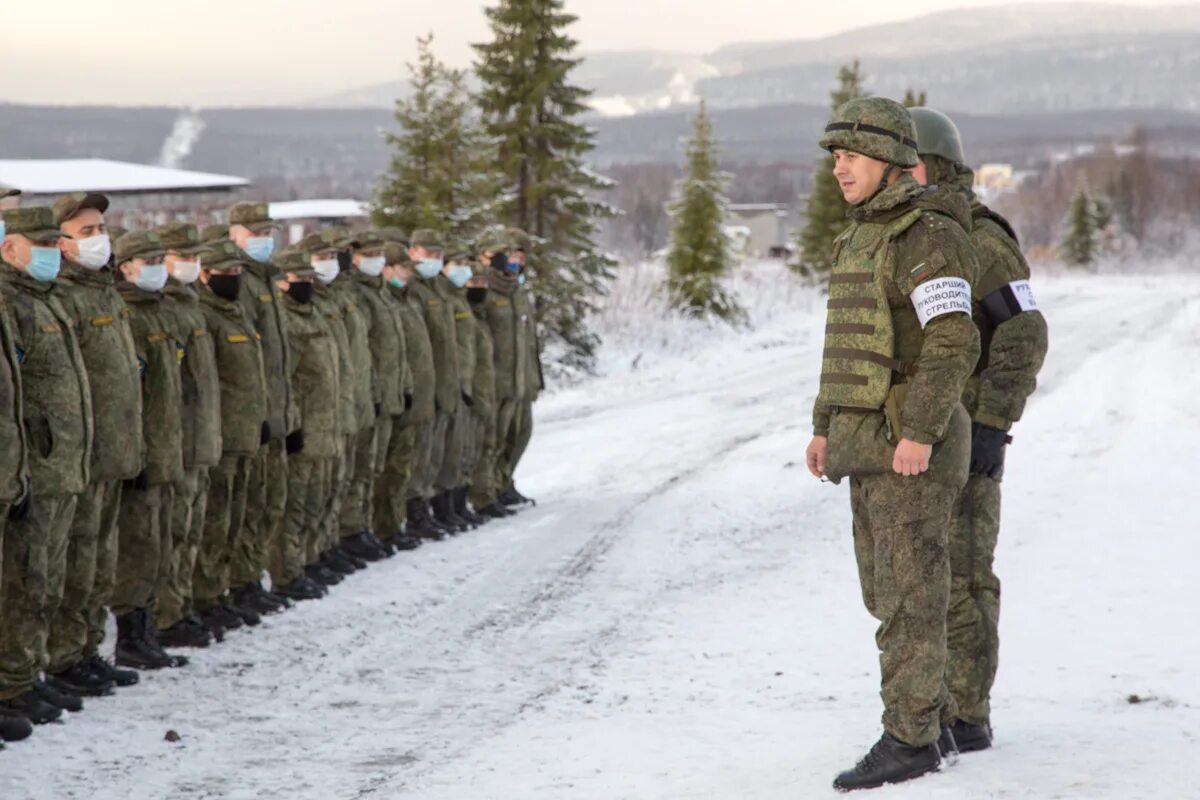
<point>304,216</point>
<point>994,178</point>
<point>762,227</point>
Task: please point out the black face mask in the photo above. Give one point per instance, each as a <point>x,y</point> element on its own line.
<point>499,261</point>
<point>225,286</point>
<point>301,292</point>
<point>345,260</point>
<point>476,294</point>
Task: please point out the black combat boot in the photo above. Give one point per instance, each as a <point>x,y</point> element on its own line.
<point>496,511</point>
<point>443,513</point>
<point>889,761</point>
<point>344,554</point>
<point>511,497</point>
<point>64,700</point>
<point>322,575</point>
<point>13,726</point>
<point>248,615</point>
<point>252,597</point>
<point>972,738</point>
<point>32,708</point>
<point>463,508</point>
<point>302,589</point>
<point>947,746</point>
<point>133,649</point>
<point>380,543</point>
<point>334,562</point>
<point>106,671</point>
<point>217,617</point>
<point>361,545</point>
<point>79,680</point>
<point>185,633</point>
<point>402,541</point>
<point>420,524</point>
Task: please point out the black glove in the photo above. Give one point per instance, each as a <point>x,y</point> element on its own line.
<point>141,482</point>
<point>20,509</point>
<point>294,443</point>
<point>467,399</point>
<point>264,435</point>
<point>378,408</point>
<point>498,260</point>
<point>987,450</point>
<point>408,401</point>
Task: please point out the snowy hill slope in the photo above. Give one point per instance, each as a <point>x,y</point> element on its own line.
<point>680,617</point>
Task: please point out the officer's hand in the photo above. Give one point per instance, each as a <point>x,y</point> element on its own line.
<point>20,509</point>
<point>294,443</point>
<point>911,458</point>
<point>987,450</point>
<point>408,401</point>
<point>815,456</point>
<point>141,482</point>
<point>467,399</point>
<point>264,434</point>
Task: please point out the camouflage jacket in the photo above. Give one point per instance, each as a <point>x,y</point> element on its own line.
<point>106,342</point>
<point>464,332</point>
<point>56,396</point>
<point>315,361</point>
<point>483,390</point>
<point>200,379</point>
<point>387,341</point>
<point>523,307</point>
<point>159,354</point>
<point>358,332</point>
<point>260,299</point>
<point>240,368</point>
<point>419,370</point>
<point>328,305</point>
<point>439,322</point>
<point>511,331</point>
<point>14,464</point>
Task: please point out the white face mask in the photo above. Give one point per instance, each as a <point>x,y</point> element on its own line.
<point>372,266</point>
<point>327,269</point>
<point>151,277</point>
<point>94,251</point>
<point>186,271</point>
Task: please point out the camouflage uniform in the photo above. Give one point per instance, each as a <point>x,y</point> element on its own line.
<point>453,474</point>
<point>479,470</point>
<point>56,399</point>
<point>146,535</point>
<point>439,321</point>
<point>520,431</point>
<point>507,317</point>
<point>14,467</point>
<point>262,305</point>
<point>201,385</point>
<point>899,347</point>
<point>106,342</point>
<point>244,410</point>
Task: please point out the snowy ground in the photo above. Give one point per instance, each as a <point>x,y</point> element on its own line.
<point>680,616</point>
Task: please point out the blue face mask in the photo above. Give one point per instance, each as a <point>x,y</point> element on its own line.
<point>521,279</point>
<point>45,263</point>
<point>260,248</point>
<point>428,268</point>
<point>459,275</point>
<point>512,266</point>
<point>2,228</point>
<point>397,282</point>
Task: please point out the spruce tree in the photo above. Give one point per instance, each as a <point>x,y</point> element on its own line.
<point>532,110</point>
<point>913,99</point>
<point>1079,246</point>
<point>825,211</point>
<point>699,255</point>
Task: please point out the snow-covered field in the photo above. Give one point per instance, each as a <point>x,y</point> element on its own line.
<point>680,616</point>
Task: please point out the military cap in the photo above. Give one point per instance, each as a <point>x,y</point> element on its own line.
<point>138,244</point>
<point>393,234</point>
<point>222,254</point>
<point>937,135</point>
<point>212,233</point>
<point>394,253</point>
<point>252,215</point>
<point>316,242</point>
<point>181,237</point>
<point>71,204</point>
<point>296,262</point>
<point>495,240</point>
<point>518,239</point>
<point>875,127</point>
<point>427,238</point>
<point>116,232</point>
<point>366,240</point>
<point>8,191</point>
<point>33,222</point>
<point>458,251</point>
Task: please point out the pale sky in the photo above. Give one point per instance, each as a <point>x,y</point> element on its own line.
<point>213,52</point>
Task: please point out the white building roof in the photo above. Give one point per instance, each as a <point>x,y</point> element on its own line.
<point>62,175</point>
<point>318,209</point>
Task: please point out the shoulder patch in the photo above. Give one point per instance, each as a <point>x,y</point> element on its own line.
<point>52,327</point>
<point>101,321</point>
<point>158,336</point>
<point>266,297</point>
<point>237,338</point>
<point>462,314</point>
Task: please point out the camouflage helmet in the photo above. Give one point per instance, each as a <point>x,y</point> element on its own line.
<point>937,135</point>
<point>876,127</point>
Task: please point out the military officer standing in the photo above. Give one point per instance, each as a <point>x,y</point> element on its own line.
<point>520,429</point>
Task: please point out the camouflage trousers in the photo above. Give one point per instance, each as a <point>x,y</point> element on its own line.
<point>307,500</point>
<point>90,571</point>
<point>439,438</point>
<point>423,469</point>
<point>266,498</point>
<point>515,429</point>
<point>35,562</point>
<point>358,506</point>
<point>481,474</point>
<point>188,504</point>
<point>340,475</point>
<point>901,527</point>
<point>145,545</point>
<point>396,472</point>
<point>973,620</point>
<point>224,514</point>
<point>458,433</point>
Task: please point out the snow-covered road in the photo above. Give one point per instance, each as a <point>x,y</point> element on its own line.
<point>680,616</point>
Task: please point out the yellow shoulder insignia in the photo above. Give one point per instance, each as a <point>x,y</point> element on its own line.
<point>99,322</point>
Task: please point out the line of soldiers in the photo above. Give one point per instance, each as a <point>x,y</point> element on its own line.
<point>933,343</point>
<point>185,412</point>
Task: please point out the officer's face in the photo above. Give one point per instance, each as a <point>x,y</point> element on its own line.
<point>359,255</point>
<point>132,268</point>
<point>87,223</point>
<point>422,253</point>
<point>240,234</point>
<point>919,173</point>
<point>18,250</point>
<point>858,176</point>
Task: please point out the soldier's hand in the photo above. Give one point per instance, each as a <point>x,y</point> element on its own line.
<point>911,458</point>
<point>20,509</point>
<point>815,456</point>
<point>294,443</point>
<point>987,450</point>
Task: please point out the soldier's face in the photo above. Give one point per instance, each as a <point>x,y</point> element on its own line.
<point>17,250</point>
<point>87,223</point>
<point>919,172</point>
<point>858,176</point>
<point>422,253</point>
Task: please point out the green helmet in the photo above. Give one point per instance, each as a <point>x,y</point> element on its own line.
<point>937,135</point>
<point>875,127</point>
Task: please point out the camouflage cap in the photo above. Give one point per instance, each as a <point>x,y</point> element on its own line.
<point>395,253</point>
<point>222,254</point>
<point>8,191</point>
<point>937,135</point>
<point>495,240</point>
<point>875,127</point>
<point>297,262</point>
<point>116,232</point>
<point>427,238</point>
<point>319,241</point>
<point>366,240</point>
<point>181,237</point>
<point>33,222</point>
<point>213,233</point>
<point>459,251</point>
<point>251,214</point>
<point>71,204</point>
<point>138,244</point>
<point>393,234</point>
<point>517,239</point>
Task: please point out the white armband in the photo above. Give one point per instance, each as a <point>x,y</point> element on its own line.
<point>939,296</point>
<point>1023,294</point>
